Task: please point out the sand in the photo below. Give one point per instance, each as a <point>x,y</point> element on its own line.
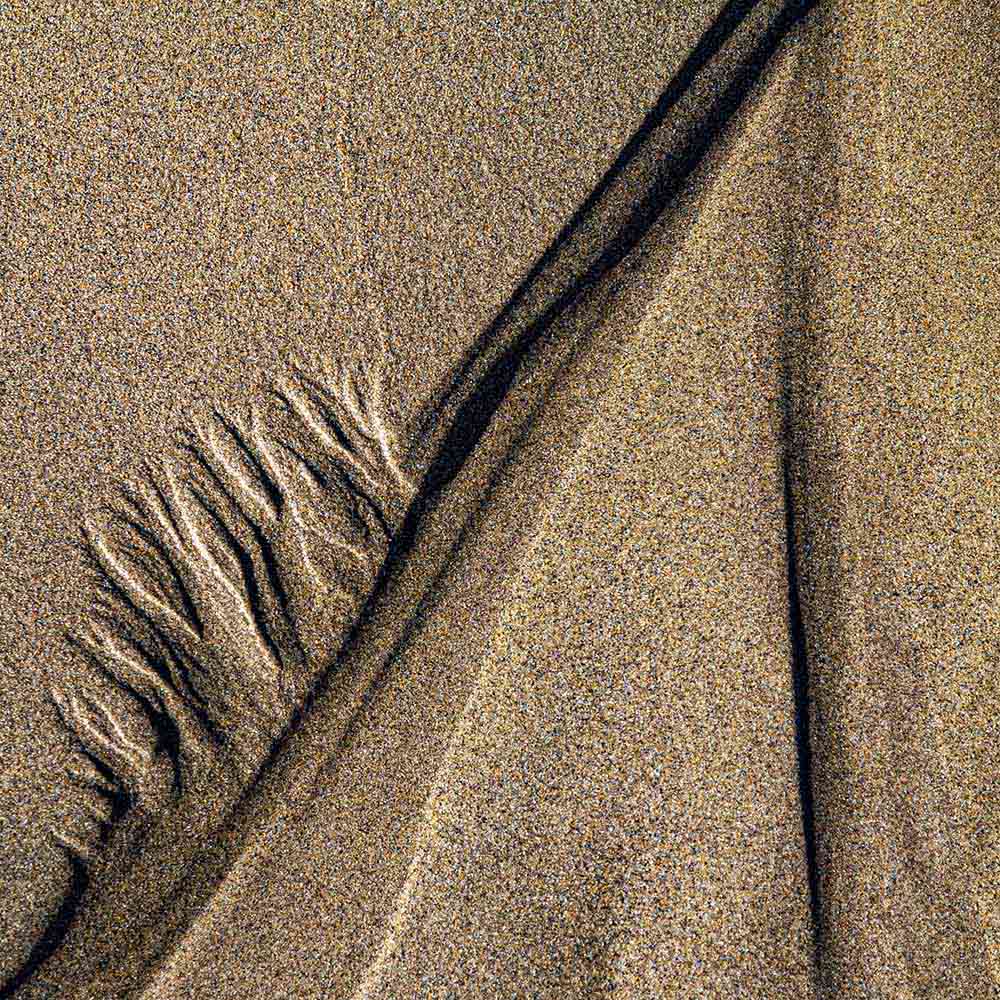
<point>449,573</point>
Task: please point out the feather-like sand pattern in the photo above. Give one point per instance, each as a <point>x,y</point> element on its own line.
<point>205,566</point>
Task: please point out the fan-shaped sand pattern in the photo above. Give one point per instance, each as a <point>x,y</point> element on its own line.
<point>209,566</point>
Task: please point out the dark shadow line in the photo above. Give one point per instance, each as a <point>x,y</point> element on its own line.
<point>803,741</point>
<point>474,414</point>
<point>707,47</point>
<point>55,930</point>
<point>798,300</point>
<point>733,14</point>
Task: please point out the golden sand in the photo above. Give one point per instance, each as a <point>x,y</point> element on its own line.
<point>434,570</point>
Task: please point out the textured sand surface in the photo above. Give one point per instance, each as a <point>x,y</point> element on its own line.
<point>596,728</point>
<point>195,198</point>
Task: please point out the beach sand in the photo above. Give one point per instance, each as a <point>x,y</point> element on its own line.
<point>430,631</point>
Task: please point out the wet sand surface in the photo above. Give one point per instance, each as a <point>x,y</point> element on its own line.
<point>595,727</point>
